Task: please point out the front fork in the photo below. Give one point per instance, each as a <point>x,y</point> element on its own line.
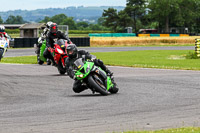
<point>107,80</point>
<point>4,50</point>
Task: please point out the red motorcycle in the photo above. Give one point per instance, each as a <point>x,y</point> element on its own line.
<point>59,54</point>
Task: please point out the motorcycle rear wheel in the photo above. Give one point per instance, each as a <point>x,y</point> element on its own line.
<point>39,61</point>
<point>97,86</point>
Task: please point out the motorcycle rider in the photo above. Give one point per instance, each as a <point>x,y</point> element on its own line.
<point>46,29</point>
<point>53,35</point>
<point>73,54</point>
<point>44,34</point>
<point>43,37</point>
<point>3,33</point>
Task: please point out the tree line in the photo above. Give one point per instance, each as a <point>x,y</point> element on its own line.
<point>13,20</point>
<point>139,14</point>
<point>158,14</point>
<point>60,19</point>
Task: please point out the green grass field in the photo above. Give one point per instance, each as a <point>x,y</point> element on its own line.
<point>163,59</point>
<point>78,35</point>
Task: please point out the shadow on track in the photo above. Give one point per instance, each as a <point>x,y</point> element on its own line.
<point>86,95</point>
<point>58,75</point>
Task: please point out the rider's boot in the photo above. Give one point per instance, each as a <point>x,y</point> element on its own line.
<point>48,61</point>
<point>109,73</point>
<point>53,63</point>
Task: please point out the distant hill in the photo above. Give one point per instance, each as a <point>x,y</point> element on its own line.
<point>81,13</point>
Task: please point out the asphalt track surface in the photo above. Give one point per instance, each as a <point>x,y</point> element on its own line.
<point>37,99</point>
<point>30,51</point>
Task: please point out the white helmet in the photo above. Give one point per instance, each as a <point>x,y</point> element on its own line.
<point>2,28</point>
<point>49,24</point>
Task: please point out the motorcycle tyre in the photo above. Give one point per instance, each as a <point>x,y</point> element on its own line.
<point>37,51</point>
<point>96,86</point>
<point>61,70</point>
<point>1,53</point>
<point>40,62</point>
<point>48,62</point>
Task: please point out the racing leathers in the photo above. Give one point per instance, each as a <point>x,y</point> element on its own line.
<point>50,40</point>
<point>78,86</point>
<point>4,34</point>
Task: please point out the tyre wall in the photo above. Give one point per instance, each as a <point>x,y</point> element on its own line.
<point>29,42</point>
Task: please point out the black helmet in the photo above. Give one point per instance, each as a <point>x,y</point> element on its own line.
<point>72,51</point>
<point>53,28</point>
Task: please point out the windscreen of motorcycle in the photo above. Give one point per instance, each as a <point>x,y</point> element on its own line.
<point>61,43</point>
<point>79,63</point>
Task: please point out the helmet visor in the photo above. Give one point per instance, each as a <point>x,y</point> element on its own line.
<point>70,52</point>
<point>54,29</point>
<point>2,30</point>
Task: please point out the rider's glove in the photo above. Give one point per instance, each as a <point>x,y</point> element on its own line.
<point>69,42</point>
<point>50,49</point>
<point>74,77</point>
<point>92,59</point>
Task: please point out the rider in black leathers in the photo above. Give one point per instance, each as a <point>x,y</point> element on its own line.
<point>51,38</point>
<point>74,54</point>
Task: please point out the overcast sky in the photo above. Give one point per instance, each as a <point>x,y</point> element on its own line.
<point>6,5</point>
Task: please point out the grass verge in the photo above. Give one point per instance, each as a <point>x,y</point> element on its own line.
<point>177,130</point>
<point>162,59</point>
<point>20,60</point>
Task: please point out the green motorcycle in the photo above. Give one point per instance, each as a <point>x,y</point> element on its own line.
<point>94,77</point>
<point>40,47</point>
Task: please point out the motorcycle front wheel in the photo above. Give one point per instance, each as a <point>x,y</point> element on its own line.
<point>1,53</point>
<point>61,70</point>
<point>97,84</point>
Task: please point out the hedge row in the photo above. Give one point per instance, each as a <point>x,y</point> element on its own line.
<point>17,31</point>
<point>12,31</point>
<point>86,31</point>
